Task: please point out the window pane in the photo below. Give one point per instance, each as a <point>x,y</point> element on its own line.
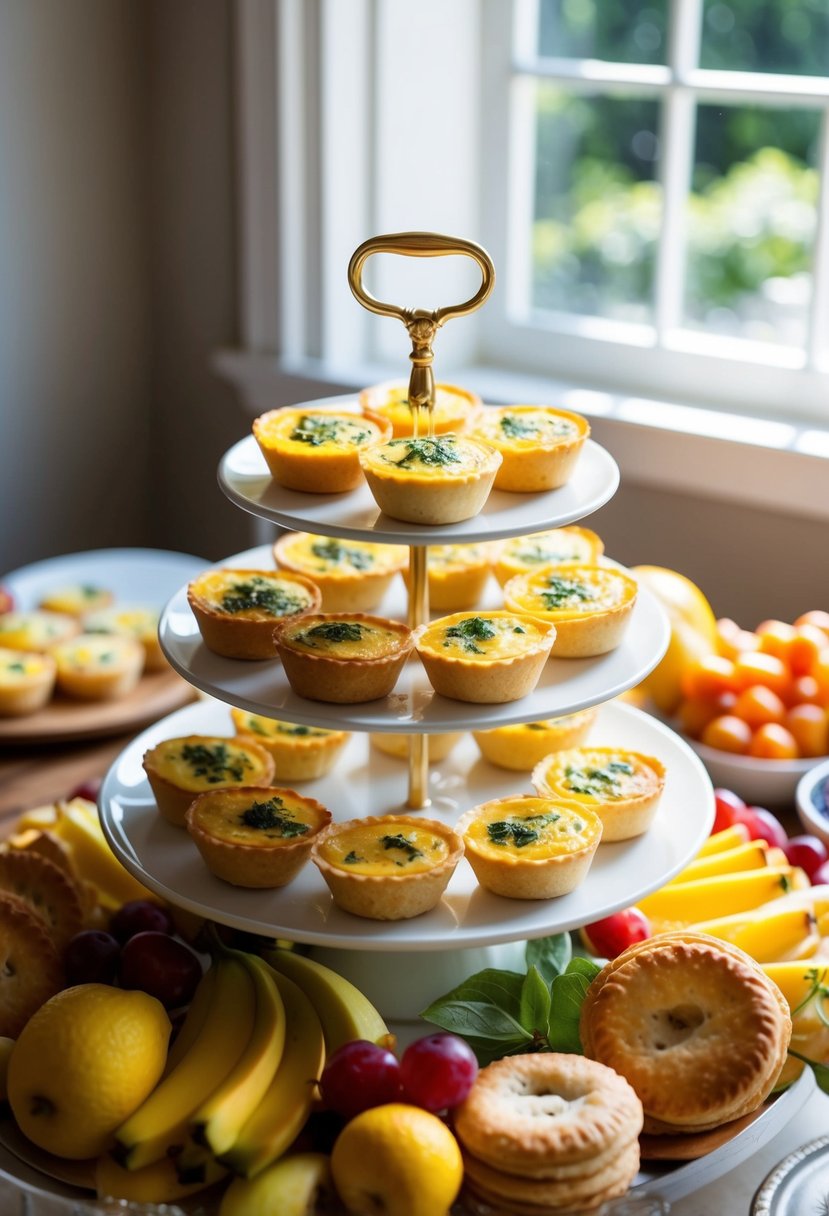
<point>597,204</point>
<point>618,31</point>
<point>789,36</point>
<point>752,222</point>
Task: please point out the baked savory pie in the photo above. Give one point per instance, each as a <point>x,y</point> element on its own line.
<point>316,450</point>
<point>622,787</point>
<point>525,745</point>
<point>37,631</point>
<point>26,682</point>
<point>458,575</point>
<point>530,848</point>
<point>487,657</point>
<point>539,445</point>
<point>455,409</point>
<point>398,745</point>
<point>430,481</point>
<point>346,657</point>
<point>95,667</point>
<point>300,753</point>
<point>389,867</point>
<point>590,606</point>
<point>556,546</point>
<point>253,836</point>
<point>236,610</point>
<point>352,575</point>
<point>131,621</point>
<point>179,769</point>
<point>76,599</point>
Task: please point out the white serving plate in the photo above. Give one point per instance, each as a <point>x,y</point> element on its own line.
<point>146,577</point>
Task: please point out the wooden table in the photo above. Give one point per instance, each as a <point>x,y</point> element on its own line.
<point>32,776</point>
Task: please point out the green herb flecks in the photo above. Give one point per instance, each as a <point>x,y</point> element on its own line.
<point>433,452</point>
<point>89,592</point>
<point>519,832</point>
<point>258,593</point>
<point>467,633</point>
<point>405,846</point>
<point>315,429</point>
<point>333,631</point>
<point>598,782</point>
<point>215,762</point>
<point>352,858</point>
<point>336,553</point>
<point>272,818</point>
<point>17,667</point>
<point>537,554</point>
<point>565,592</point>
<point>515,427</point>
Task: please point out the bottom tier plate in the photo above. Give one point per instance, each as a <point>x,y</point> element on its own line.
<point>366,782</point>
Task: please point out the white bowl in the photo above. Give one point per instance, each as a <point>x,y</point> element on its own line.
<point>807,796</point>
<point>768,783</point>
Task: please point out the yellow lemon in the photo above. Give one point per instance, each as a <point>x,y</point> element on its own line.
<point>693,632</point>
<point>83,1063</point>
<point>397,1160</point>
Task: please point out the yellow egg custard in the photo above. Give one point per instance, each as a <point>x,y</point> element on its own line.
<point>540,445</point>
<point>387,868</point>
<point>26,682</point>
<point>255,836</point>
<point>352,575</point>
<point>430,481</point>
<point>455,409</point>
<point>621,786</point>
<point>590,606</point>
<point>37,631</point>
<point>76,599</point>
<point>236,610</point>
<point>487,657</point>
<point>346,657</point>
<point>523,746</point>
<point>179,769</point>
<point>398,745</point>
<point>131,621</point>
<point>300,753</point>
<point>458,575</point>
<point>95,667</point>
<point>530,848</point>
<point>317,450</point>
<point>557,546</point>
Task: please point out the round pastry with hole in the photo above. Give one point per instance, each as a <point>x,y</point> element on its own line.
<point>622,787</point>
<point>455,408</point>
<point>557,546</point>
<point>487,657</point>
<point>254,836</point>
<point>527,847</point>
<point>300,753</point>
<point>398,745</point>
<point>345,657</point>
<point>96,667</point>
<point>389,867</point>
<point>76,599</point>
<point>352,575</point>
<point>540,445</point>
<point>590,606</point>
<point>36,631</point>
<point>180,769</point>
<point>317,450</point>
<point>458,575</point>
<point>434,481</point>
<point>236,610</point>
<point>521,747</point>
<point>27,681</point>
<point>131,621</point>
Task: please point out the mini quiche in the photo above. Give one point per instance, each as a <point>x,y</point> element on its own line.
<point>441,480</point>
<point>530,848</point>
<point>97,668</point>
<point>352,575</point>
<point>590,606</point>
<point>76,599</point>
<point>236,610</point>
<point>254,836</point>
<point>387,868</point>
<point>398,745</point>
<point>485,658</point>
<point>455,409</point>
<point>346,657</point>
<point>557,546</point>
<point>622,787</point>
<point>540,445</point>
<point>317,450</point>
<point>38,631</point>
<point>132,622</point>
<point>523,746</point>
<point>27,681</point>
<point>300,753</point>
<point>179,769</point>
<point>458,575</point>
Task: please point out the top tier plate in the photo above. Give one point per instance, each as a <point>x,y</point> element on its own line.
<point>244,477</point>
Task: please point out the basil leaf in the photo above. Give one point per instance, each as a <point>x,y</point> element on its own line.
<point>567,994</point>
<point>821,1071</point>
<point>549,954</point>
<point>579,965</point>
<point>535,1003</point>
<point>490,987</point>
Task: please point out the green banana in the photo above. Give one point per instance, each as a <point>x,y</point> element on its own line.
<point>160,1125</point>
<point>218,1121</point>
<point>298,1185</point>
<point>282,1113</point>
<point>343,1010</point>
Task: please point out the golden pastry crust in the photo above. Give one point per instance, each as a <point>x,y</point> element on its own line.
<point>485,657</point>
<point>456,409</point>
<point>589,1189</point>
<point>76,599</point>
<point>590,606</point>
<point>458,575</point>
<point>623,787</point>
<point>555,547</point>
<point>39,632</point>
<point>180,769</point>
<point>520,748</point>
<point>47,890</point>
<point>300,753</point>
<point>540,445</point>
<point>132,621</point>
<point>30,966</point>
<point>94,667</point>
<point>27,681</point>
<point>316,450</point>
<point>346,658</point>
<point>236,610</point>
<point>442,480</point>
<point>398,745</point>
<point>394,893</point>
<point>353,576</point>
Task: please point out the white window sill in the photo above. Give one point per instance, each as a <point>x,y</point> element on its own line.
<point>777,466</point>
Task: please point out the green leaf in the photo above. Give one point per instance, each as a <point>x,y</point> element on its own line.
<point>485,1010</point>
<point>821,1071</point>
<point>579,965</point>
<point>567,995</point>
<point>549,954</point>
<point>491,986</point>
<point>535,1003</point>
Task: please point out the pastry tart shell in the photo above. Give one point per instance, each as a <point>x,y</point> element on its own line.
<point>344,681</point>
<point>485,681</point>
<point>623,818</point>
<point>460,415</point>
<point>579,635</point>
<point>345,590</point>
<point>505,566</point>
<point>173,801</point>
<point>428,500</point>
<point>236,636</point>
<point>101,684</point>
<point>31,693</point>
<point>315,472</point>
<point>296,757</point>
<point>522,750</point>
<point>398,745</point>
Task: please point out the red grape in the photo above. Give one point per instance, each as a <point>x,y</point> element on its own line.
<point>438,1071</point>
<point>360,1075</point>
<point>728,804</point>
<point>6,600</point>
<point>808,852</point>
<point>140,916</point>
<point>91,957</point>
<point>613,934</point>
<point>762,825</point>
<point>87,789</point>
<point>820,877</point>
<point>162,966</point>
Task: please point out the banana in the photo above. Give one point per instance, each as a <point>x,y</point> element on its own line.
<point>342,1008</point>
<point>298,1185</point>
<point>722,895</point>
<point>77,826</point>
<point>193,1022</point>
<point>281,1114</point>
<point>218,1121</point>
<point>796,980</point>
<point>160,1125</point>
<point>155,1183</point>
<point>752,855</point>
<point>728,838</point>
<point>765,938</point>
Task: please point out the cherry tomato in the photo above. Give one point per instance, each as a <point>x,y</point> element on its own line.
<point>773,742</point>
<point>762,825</point>
<point>758,668</point>
<point>810,726</point>
<point>820,672</point>
<point>727,733</point>
<point>733,640</point>
<point>727,806</point>
<point>694,713</point>
<point>807,852</point>
<point>708,677</point>
<point>87,789</point>
<point>804,648</point>
<point>805,691</point>
<point>816,617</point>
<point>775,637</point>
<point>613,934</point>
<point>758,705</point>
